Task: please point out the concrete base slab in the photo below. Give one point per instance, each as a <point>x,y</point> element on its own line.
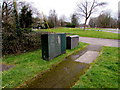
<point>88,57</point>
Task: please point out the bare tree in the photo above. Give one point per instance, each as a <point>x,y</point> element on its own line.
<point>30,6</point>
<point>53,19</point>
<point>62,20</point>
<point>74,19</point>
<point>8,14</point>
<point>104,20</point>
<point>0,16</point>
<point>87,8</point>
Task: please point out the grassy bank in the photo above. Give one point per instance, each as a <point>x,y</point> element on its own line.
<point>102,74</point>
<point>82,33</point>
<point>28,65</point>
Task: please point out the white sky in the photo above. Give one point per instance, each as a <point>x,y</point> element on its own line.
<point>67,7</point>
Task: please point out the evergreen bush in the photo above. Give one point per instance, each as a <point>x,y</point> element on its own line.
<point>70,25</point>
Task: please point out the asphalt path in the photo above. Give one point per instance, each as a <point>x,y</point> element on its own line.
<point>100,41</point>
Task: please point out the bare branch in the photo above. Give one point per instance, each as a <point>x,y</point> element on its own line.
<point>81,9</point>
<point>79,14</point>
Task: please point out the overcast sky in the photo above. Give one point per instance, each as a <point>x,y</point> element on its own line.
<point>67,7</point>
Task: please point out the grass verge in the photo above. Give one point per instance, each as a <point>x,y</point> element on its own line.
<point>82,33</point>
<point>28,65</point>
<point>102,74</point>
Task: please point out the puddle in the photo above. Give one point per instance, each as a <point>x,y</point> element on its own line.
<point>4,67</point>
<point>64,75</point>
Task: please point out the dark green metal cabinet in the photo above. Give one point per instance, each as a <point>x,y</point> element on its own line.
<point>63,42</point>
<point>52,45</point>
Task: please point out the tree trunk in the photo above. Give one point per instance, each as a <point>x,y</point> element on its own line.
<point>85,24</point>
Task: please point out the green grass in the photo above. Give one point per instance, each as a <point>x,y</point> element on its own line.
<point>82,33</point>
<point>103,73</point>
<point>28,65</point>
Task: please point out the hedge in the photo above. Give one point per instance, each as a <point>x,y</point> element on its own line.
<point>20,41</point>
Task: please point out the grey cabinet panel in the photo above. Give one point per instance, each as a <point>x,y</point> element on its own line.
<point>52,45</point>
<point>72,41</point>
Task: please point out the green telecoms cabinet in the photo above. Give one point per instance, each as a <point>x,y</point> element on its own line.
<point>63,42</point>
<point>51,45</point>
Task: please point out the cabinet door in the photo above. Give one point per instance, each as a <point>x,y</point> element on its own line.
<point>57,44</point>
<point>51,45</point>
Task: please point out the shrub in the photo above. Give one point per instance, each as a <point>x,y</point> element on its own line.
<point>70,25</point>
<point>21,41</point>
<point>51,24</point>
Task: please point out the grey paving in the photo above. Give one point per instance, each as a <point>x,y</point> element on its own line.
<point>92,51</point>
<point>88,57</point>
<point>99,41</point>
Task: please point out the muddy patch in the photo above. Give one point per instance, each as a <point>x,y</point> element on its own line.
<point>4,67</point>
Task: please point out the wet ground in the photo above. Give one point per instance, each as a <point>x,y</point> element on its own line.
<point>65,74</point>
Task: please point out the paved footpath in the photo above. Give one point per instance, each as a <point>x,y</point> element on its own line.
<point>90,54</point>
<point>95,43</point>
<point>66,73</point>
<point>88,57</point>
<point>99,41</point>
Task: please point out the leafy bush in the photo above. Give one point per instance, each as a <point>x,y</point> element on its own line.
<point>51,24</point>
<point>70,25</point>
<point>21,40</point>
